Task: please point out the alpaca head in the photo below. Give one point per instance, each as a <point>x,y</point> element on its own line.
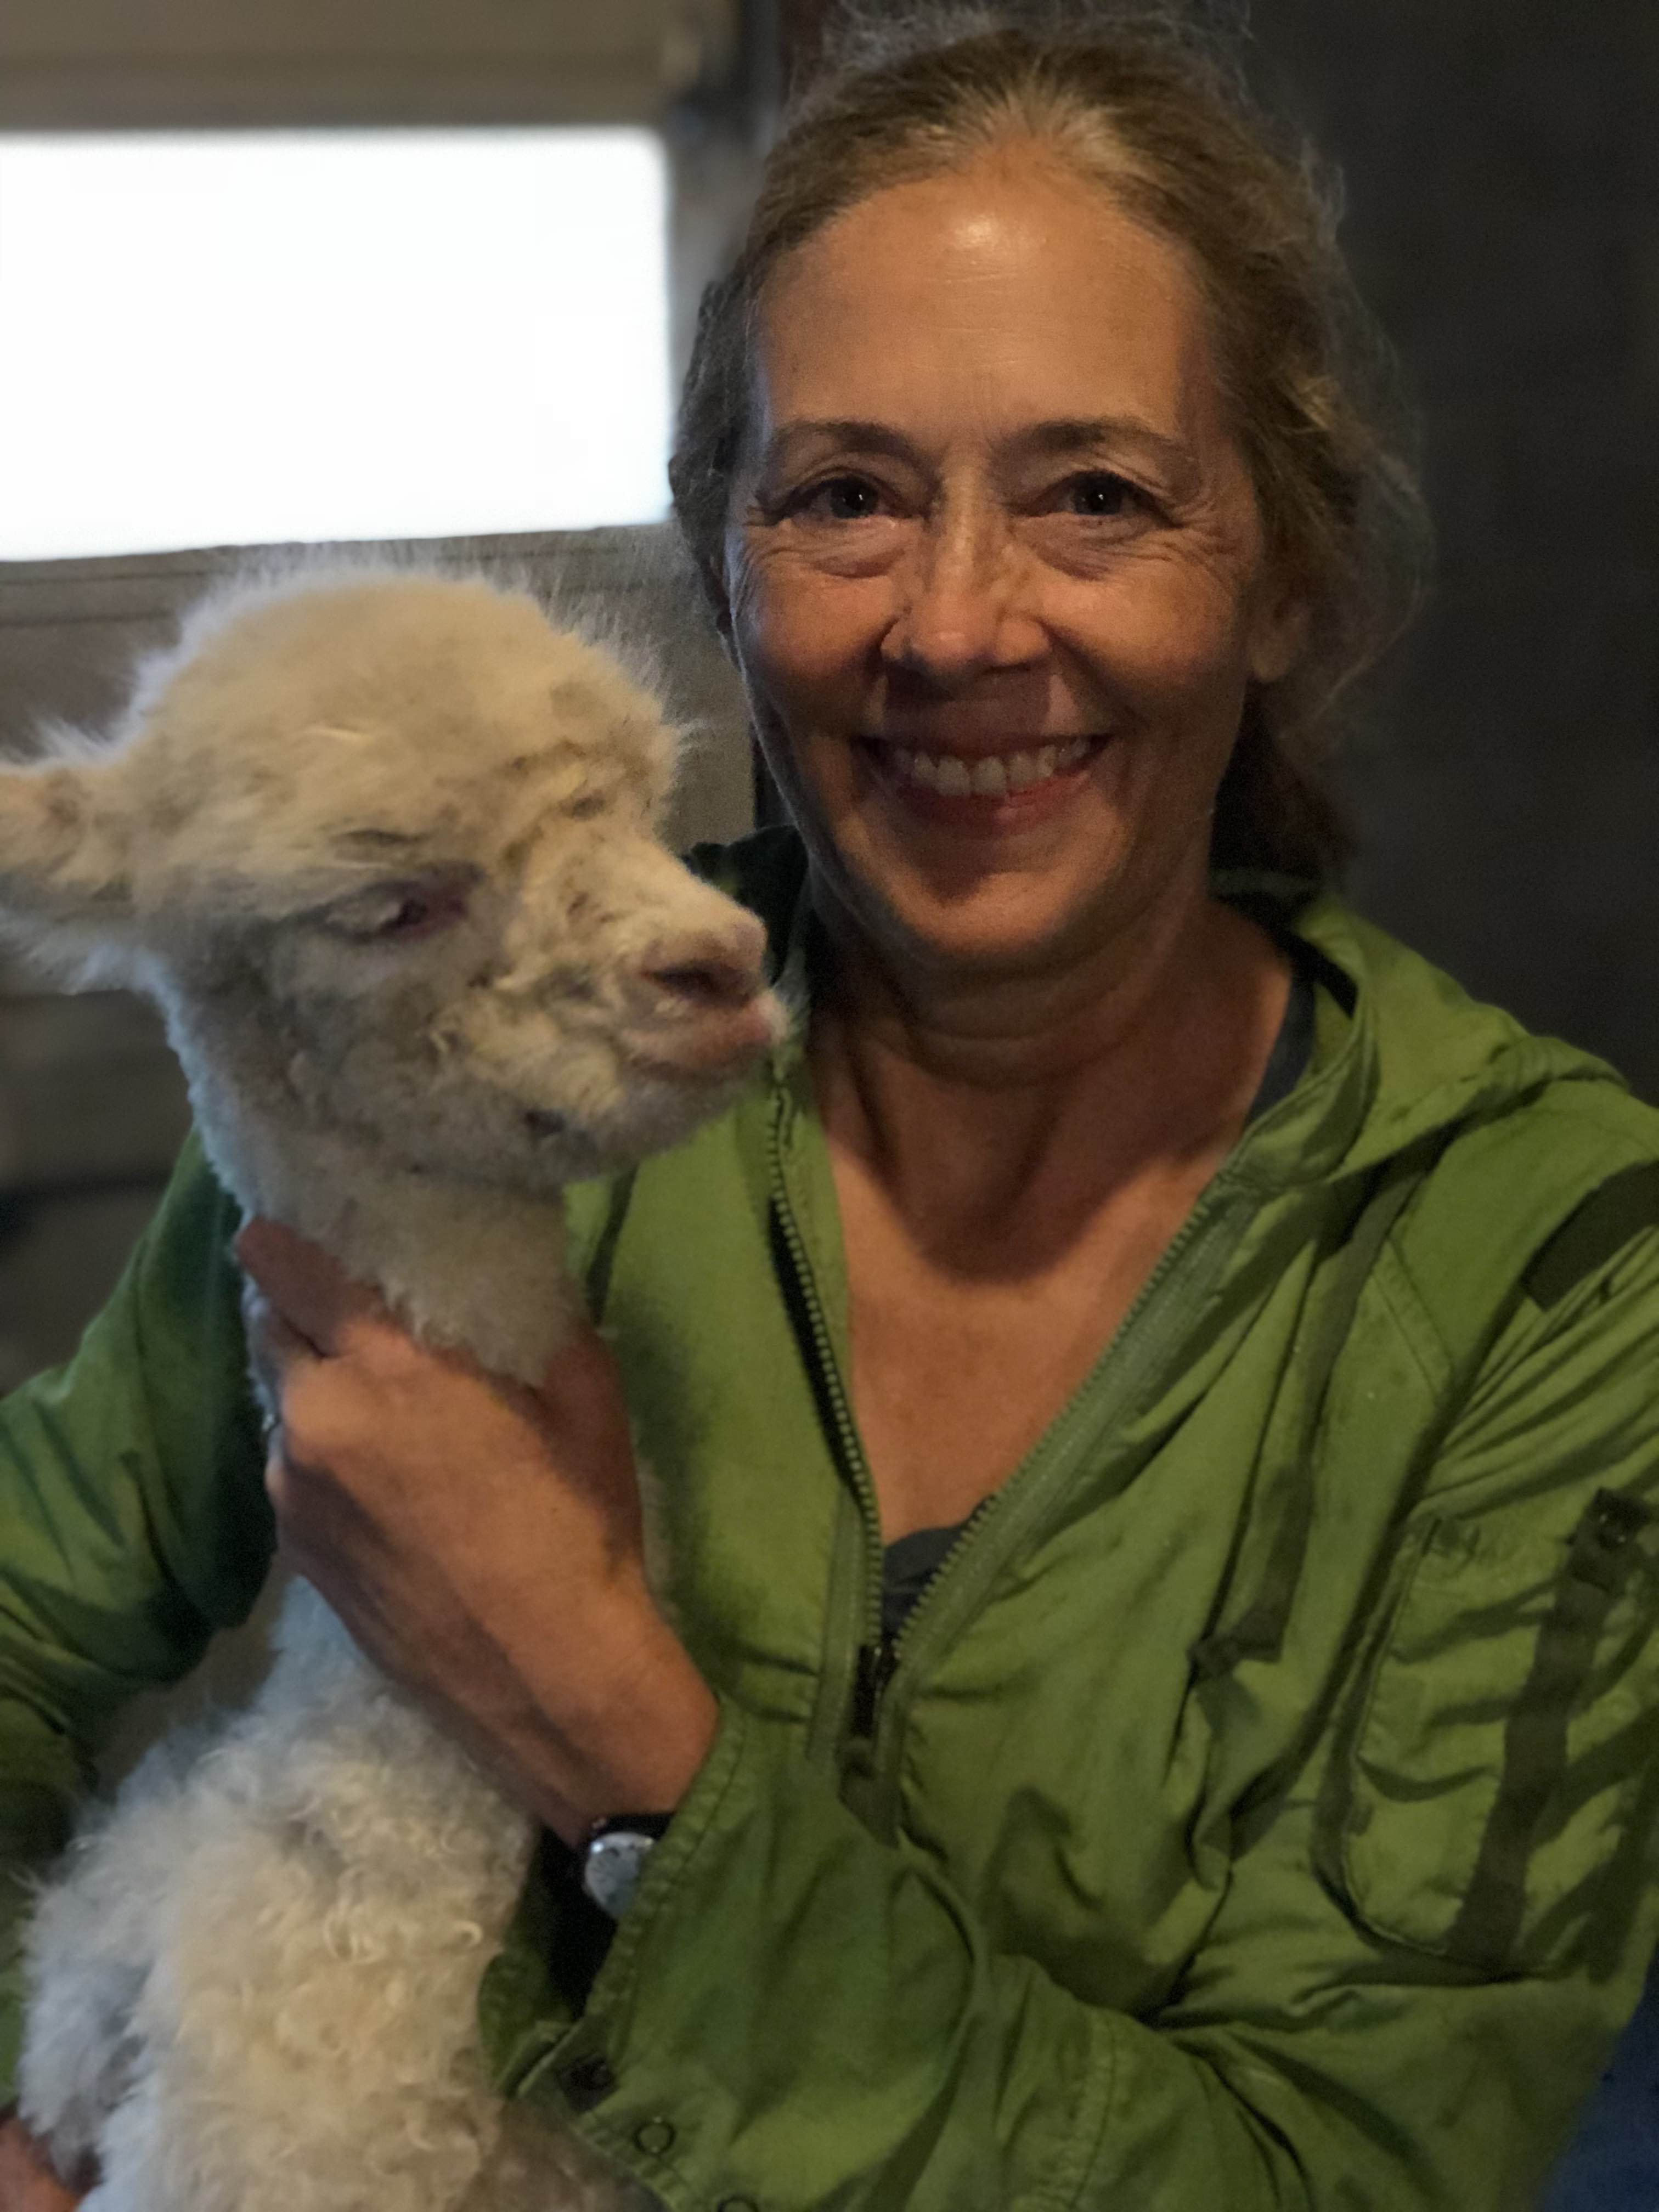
<point>382,846</point>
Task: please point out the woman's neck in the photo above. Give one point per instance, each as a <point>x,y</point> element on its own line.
<point>974,1095</point>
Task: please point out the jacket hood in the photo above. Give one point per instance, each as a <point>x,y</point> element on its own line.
<point>1450,1060</point>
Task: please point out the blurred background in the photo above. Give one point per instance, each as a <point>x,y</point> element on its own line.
<point>416,270</point>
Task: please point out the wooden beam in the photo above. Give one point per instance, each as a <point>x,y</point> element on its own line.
<point>68,64</point>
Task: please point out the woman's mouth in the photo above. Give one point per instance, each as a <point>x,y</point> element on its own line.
<point>992,790</point>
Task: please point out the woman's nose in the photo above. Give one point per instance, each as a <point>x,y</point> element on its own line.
<point>961,607</point>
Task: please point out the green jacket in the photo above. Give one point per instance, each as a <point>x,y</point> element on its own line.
<point>1256,1811</point>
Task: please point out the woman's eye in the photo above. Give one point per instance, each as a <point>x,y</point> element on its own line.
<point>1103,495</point>
<point>840,499</point>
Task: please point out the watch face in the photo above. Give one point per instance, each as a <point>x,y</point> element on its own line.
<point>611,1868</point>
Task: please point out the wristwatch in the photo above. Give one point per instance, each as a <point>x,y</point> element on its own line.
<point>611,1858</point>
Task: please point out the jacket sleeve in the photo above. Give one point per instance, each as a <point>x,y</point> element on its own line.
<point>135,1524</point>
<point>1429,1938</point>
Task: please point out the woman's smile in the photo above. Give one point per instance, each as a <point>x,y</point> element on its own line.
<point>981,792</point>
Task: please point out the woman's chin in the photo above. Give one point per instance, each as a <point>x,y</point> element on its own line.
<point>977,892</point>
<point>1000,926</point>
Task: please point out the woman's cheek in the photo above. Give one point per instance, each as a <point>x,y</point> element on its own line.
<point>1164,655</point>
<point>806,653</point>
<point>787,717</point>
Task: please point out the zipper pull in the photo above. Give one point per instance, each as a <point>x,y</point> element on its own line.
<point>877,1663</point>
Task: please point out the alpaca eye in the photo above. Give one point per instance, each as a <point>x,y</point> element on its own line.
<point>412,915</point>
<point>400,913</point>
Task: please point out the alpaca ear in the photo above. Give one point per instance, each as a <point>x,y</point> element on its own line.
<point>65,887</point>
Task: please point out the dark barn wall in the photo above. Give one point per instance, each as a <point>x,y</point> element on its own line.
<point>1502,162</point>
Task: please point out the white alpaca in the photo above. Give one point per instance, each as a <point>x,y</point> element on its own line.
<point>379,845</point>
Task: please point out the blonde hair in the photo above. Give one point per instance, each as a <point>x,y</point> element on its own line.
<point>1154,110</point>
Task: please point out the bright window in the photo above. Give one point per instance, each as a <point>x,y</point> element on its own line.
<point>236,338</point>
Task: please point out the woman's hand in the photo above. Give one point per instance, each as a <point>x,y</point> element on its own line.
<point>481,1541</point>
<point>27,2182</point>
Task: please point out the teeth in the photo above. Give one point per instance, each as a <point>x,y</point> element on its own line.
<point>993,775</point>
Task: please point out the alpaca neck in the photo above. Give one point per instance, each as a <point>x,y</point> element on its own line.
<point>464,1265</point>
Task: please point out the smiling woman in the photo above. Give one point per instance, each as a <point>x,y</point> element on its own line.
<point>989,517</point>
<point>1151,1394</point>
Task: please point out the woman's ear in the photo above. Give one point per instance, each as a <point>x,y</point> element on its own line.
<point>716,582</point>
<point>1279,630</point>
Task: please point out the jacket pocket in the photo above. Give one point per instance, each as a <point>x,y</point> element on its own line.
<point>1484,1779</point>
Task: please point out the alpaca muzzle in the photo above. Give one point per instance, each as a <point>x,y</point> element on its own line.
<point>706,1010</point>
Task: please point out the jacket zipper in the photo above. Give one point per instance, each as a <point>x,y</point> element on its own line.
<point>875,1659</point>
<point>879,1662</point>
<point>878,1656</point>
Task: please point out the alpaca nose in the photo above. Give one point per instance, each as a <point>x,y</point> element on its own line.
<point>712,1013</point>
<point>705,971</point>
<point>709,980</point>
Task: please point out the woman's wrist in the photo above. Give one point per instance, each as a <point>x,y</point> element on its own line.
<point>629,1737</point>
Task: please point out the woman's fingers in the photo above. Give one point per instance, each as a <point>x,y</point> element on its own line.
<point>273,1343</point>
<point>27,2182</point>
<point>582,1373</point>
<point>581,1397</point>
<point>274,1350</point>
<point>311,1292</point>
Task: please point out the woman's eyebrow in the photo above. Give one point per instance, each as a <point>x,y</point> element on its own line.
<point>1175,461</point>
<point>786,442</point>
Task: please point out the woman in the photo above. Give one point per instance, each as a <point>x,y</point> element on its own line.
<point>1250,1811</point>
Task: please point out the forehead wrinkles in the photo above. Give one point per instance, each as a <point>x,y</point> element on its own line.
<point>1011,283</point>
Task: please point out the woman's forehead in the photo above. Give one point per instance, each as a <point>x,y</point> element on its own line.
<point>1006,292</point>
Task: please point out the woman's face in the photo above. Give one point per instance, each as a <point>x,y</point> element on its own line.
<point>996,570</point>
